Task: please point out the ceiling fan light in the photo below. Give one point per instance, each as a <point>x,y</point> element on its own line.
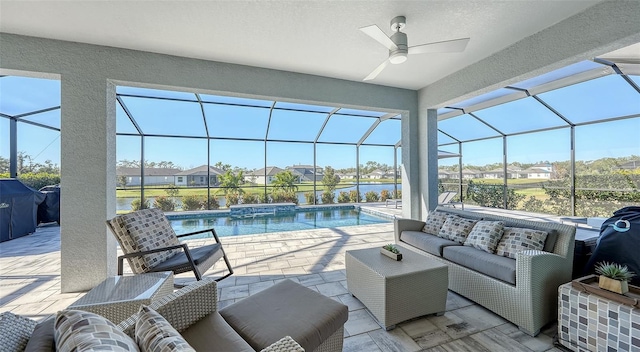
<point>398,58</point>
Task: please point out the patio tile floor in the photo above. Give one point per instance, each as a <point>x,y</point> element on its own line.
<point>30,286</point>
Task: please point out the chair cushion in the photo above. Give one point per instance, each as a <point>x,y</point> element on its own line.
<point>518,239</point>
<point>15,331</point>
<point>76,330</point>
<point>456,228</point>
<point>42,339</point>
<point>434,222</point>
<point>307,316</point>
<point>154,333</point>
<point>212,333</point>
<point>180,263</point>
<point>485,235</point>
<point>143,230</point>
<point>428,243</point>
<point>489,264</point>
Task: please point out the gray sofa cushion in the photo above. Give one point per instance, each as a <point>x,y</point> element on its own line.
<point>307,316</point>
<point>496,266</point>
<point>428,243</point>
<point>213,333</point>
<point>42,338</point>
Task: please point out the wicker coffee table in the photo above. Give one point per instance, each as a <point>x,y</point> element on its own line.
<point>395,291</point>
<point>119,297</point>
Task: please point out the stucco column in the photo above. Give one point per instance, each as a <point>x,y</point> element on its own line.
<point>410,166</point>
<point>88,182</point>
<point>428,147</point>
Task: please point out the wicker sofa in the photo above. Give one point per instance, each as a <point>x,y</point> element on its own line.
<point>522,290</point>
<point>192,311</point>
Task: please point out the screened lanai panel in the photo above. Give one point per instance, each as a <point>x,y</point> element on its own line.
<point>600,98</point>
<point>303,107</point>
<point>635,79</point>
<point>444,139</point>
<point>386,133</point>
<point>20,95</point>
<point>242,122</point>
<point>345,129</point>
<point>234,100</point>
<point>520,116</point>
<point>4,141</point>
<point>50,118</point>
<point>567,71</point>
<point>607,178</point>
<point>155,93</point>
<point>40,144</point>
<point>466,128</point>
<point>123,123</point>
<point>166,117</point>
<point>292,125</point>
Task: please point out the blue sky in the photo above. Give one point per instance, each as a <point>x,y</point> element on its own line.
<point>601,98</point>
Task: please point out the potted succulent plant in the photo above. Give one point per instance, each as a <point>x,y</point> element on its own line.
<point>614,277</point>
<point>391,251</point>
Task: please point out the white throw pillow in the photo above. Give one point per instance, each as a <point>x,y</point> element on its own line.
<point>485,235</point>
<point>518,239</point>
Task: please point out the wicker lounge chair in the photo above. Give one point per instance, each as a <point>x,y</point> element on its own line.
<point>150,245</point>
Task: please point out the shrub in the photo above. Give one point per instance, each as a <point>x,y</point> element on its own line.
<point>384,195</point>
<point>135,204</point>
<point>213,203</point>
<point>327,197</point>
<point>193,202</point>
<point>343,197</point>
<point>232,198</point>
<point>172,191</point>
<point>487,195</point>
<point>372,196</point>
<point>281,196</point>
<point>311,198</point>
<point>397,194</point>
<point>39,180</point>
<point>164,203</point>
<point>355,197</point>
<point>251,198</point>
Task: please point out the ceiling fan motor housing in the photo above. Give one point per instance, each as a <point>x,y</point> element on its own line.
<point>399,55</point>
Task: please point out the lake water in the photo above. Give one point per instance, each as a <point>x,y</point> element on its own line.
<point>124,203</point>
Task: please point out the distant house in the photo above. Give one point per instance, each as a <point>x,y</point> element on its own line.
<point>631,165</point>
<point>153,176</point>
<point>263,176</point>
<point>198,176</point>
<point>378,174</point>
<point>535,172</point>
<point>448,174</point>
<point>307,173</point>
<point>348,176</point>
<point>471,174</point>
<point>512,172</point>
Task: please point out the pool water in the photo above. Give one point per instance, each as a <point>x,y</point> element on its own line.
<point>301,220</point>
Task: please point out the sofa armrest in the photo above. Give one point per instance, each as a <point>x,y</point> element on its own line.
<point>182,308</point>
<point>285,344</point>
<point>541,269</point>
<point>400,224</point>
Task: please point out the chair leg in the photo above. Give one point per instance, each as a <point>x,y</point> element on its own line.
<point>226,260</point>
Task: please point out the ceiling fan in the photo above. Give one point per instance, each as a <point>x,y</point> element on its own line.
<point>397,44</point>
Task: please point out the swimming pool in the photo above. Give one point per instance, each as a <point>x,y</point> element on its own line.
<point>302,219</point>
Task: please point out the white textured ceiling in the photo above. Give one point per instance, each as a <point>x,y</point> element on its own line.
<point>313,37</point>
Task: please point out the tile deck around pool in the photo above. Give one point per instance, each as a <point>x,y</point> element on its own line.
<point>30,285</point>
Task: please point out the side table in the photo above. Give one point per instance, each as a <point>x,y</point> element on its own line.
<point>119,297</point>
<point>588,322</point>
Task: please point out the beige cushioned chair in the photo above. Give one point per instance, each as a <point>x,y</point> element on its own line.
<point>150,244</point>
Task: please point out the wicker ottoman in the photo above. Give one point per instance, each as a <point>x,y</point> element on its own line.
<point>395,291</point>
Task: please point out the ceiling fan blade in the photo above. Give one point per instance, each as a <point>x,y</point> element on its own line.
<point>377,71</point>
<point>448,46</point>
<point>376,33</point>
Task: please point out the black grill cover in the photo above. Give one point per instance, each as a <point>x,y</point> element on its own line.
<point>619,242</point>
<point>18,209</point>
<point>49,209</point>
